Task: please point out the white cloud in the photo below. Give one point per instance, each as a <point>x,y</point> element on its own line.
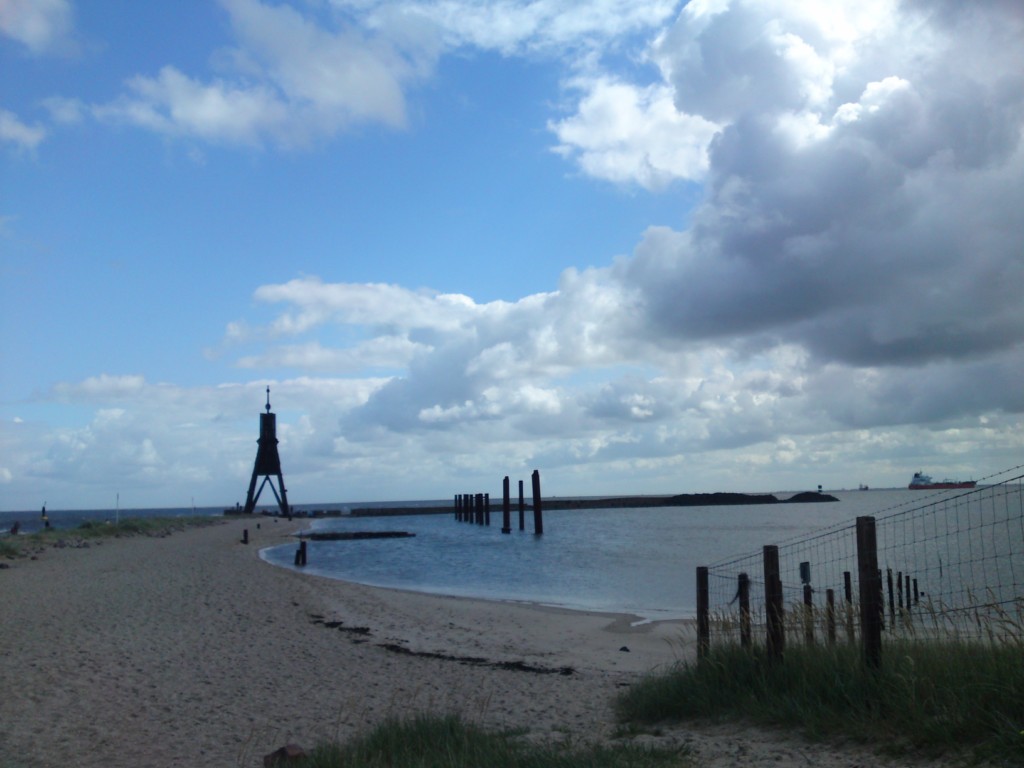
<point>16,132</point>
<point>173,103</point>
<point>291,79</point>
<point>388,352</point>
<point>43,26</point>
<point>295,75</point>
<point>627,134</point>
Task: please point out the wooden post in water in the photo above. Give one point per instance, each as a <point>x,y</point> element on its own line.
<point>522,508</point>
<point>506,507</point>
<point>870,591</point>
<point>300,553</point>
<point>538,512</point>
<point>743,591</point>
<point>487,509</point>
<point>703,619</point>
<point>479,509</point>
<point>773,600</point>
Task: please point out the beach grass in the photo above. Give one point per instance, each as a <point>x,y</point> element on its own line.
<point>448,741</point>
<point>929,698</point>
<point>12,547</point>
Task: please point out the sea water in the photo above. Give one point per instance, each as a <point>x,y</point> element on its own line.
<point>636,561</point>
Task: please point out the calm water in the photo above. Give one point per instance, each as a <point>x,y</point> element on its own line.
<point>639,561</point>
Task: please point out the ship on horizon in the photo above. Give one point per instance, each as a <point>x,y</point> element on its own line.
<point>923,482</point>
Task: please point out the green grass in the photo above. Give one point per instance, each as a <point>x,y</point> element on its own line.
<point>929,698</point>
<point>449,742</point>
<point>12,547</point>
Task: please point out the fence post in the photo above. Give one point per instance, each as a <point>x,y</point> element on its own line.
<point>744,593</point>
<point>776,637</point>
<point>703,619</point>
<point>848,594</point>
<point>808,615</point>
<point>892,600</point>
<point>830,616</point>
<point>870,591</point>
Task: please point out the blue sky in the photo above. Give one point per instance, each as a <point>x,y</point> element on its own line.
<point>642,247</point>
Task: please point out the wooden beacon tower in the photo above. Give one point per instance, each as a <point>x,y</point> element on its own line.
<point>268,464</point>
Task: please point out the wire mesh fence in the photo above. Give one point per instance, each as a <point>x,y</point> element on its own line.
<point>947,564</point>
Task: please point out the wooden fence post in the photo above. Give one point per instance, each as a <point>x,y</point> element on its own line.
<point>830,616</point>
<point>808,615</point>
<point>892,601</point>
<point>773,600</point>
<point>870,591</point>
<point>703,619</point>
<point>848,595</point>
<point>743,591</point>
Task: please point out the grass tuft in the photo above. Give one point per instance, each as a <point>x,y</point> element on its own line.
<point>429,741</point>
<point>930,697</point>
<point>12,547</point>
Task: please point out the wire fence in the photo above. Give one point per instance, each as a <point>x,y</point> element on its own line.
<point>947,564</point>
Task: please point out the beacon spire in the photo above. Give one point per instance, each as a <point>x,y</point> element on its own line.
<point>268,464</point>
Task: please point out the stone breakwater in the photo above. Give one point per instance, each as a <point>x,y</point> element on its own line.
<point>717,499</point>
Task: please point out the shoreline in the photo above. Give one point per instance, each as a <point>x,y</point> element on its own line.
<point>190,650</point>
<point>645,654</point>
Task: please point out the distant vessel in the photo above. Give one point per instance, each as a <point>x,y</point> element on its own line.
<point>923,482</point>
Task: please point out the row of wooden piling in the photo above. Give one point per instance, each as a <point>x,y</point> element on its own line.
<point>476,507</point>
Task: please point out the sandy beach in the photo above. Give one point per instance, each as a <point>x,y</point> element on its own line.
<point>189,650</point>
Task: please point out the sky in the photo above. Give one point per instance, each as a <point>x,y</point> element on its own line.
<point>642,246</point>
